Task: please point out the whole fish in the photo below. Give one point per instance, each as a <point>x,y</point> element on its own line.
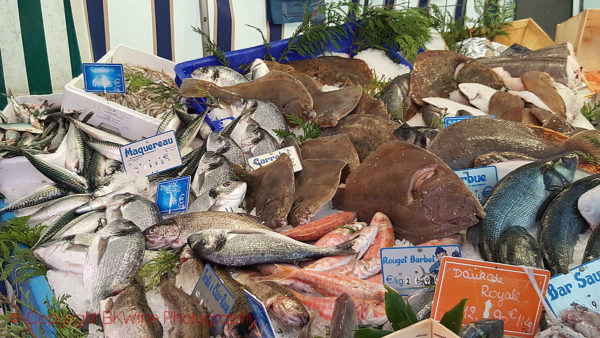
<point>319,228</point>
<point>478,95</point>
<point>60,135</point>
<point>331,285</point>
<point>256,141</point>
<point>86,223</point>
<point>61,176</point>
<point>589,208</point>
<point>58,207</point>
<point>267,115</point>
<point>43,194</point>
<point>106,148</point>
<point>76,154</point>
<point>369,311</point>
<point>282,305</point>
<point>187,135</point>
<point>113,260</point>
<point>517,247</point>
<point>222,144</point>
<point>173,233</point>
<point>246,247</point>
<point>141,211</point>
<point>484,135</point>
<point>344,319</point>
<point>213,169</point>
<point>50,231</point>
<point>180,305</point>
<point>592,249</point>
<point>169,122</point>
<point>225,197</point>
<point>99,134</point>
<point>131,315</point>
<point>488,328</point>
<point>241,310</point>
<point>66,253</point>
<point>21,127</point>
<point>421,302</point>
<point>219,75</point>
<point>520,197</point>
<point>395,94</point>
<point>26,140</point>
<point>385,235</point>
<point>419,136</point>
<point>561,224</point>
<point>12,137</point>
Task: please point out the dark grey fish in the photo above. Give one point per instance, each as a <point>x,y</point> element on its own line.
<point>562,223</point>
<point>41,195</point>
<point>421,302</point>
<point>419,136</point>
<point>257,141</point>
<point>248,247</point>
<point>214,169</point>
<point>433,116</point>
<point>488,328</point>
<point>344,319</point>
<point>520,197</point>
<point>592,249</point>
<point>517,247</point>
<point>395,93</point>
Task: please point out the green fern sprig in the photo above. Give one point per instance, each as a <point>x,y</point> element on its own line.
<point>212,48</point>
<point>266,44</point>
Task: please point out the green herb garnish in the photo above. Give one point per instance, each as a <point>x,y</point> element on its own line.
<point>351,229</point>
<point>375,87</point>
<point>212,48</point>
<point>68,324</point>
<point>310,129</point>
<point>266,44</point>
<point>151,272</point>
<point>591,111</point>
<point>15,232</point>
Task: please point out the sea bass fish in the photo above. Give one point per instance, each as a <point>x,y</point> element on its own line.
<point>517,199</point>
<point>247,247</point>
<point>484,135</point>
<point>561,224</point>
<point>173,233</point>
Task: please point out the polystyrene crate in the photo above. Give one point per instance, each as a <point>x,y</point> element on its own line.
<point>127,122</point>
<point>245,56</point>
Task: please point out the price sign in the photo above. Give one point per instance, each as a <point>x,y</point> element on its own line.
<point>496,291</point>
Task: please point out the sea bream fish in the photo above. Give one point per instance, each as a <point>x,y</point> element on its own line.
<point>219,75</point>
<point>213,169</point>
<point>247,247</point>
<point>520,197</point>
<point>226,196</point>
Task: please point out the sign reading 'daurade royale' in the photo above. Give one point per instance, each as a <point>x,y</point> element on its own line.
<point>151,155</point>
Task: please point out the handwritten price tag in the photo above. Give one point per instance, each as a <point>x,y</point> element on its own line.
<point>496,291</point>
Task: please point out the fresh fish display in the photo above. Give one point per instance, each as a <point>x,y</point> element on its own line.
<point>182,304</point>
<point>58,207</point>
<point>362,269</point>
<point>256,141</point>
<point>478,95</point>
<point>384,238</point>
<point>257,68</point>
<point>588,207</point>
<point>106,148</point>
<point>524,192</point>
<point>336,147</point>
<point>576,321</point>
<point>224,145</point>
<point>83,224</point>
<point>188,274</point>
<point>484,135</point>
<point>344,319</point>
<point>113,260</point>
<point>473,71</point>
<point>267,115</point>
<point>141,211</point>
<point>433,75</point>
<point>541,85</point>
<point>422,196</point>
<point>225,197</point>
<point>562,223</point>
<point>99,134</point>
<point>517,247</point>
<point>241,309</point>
<point>271,191</point>
<point>489,328</point>
<point>173,233</point>
<point>44,194</point>
<point>247,247</point>
<point>419,136</point>
<point>131,304</point>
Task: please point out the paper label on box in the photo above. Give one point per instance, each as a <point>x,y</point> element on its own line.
<point>581,285</point>
<point>151,155</point>
<point>261,160</point>
<point>480,181</point>
<point>260,314</point>
<point>493,290</point>
<point>408,269</point>
<point>216,298</point>
<point>172,195</point>
<point>450,120</point>
<point>103,78</point>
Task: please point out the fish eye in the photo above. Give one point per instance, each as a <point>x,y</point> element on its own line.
<point>151,230</point>
<point>226,184</point>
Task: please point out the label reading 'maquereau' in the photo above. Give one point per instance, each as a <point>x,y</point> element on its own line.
<point>151,155</point>
<point>480,181</point>
<point>216,298</point>
<point>580,285</point>
<point>262,160</point>
<point>103,78</point>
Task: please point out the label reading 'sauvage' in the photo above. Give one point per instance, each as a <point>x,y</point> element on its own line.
<point>480,181</point>
<point>151,155</point>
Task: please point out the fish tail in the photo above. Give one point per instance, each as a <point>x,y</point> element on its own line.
<point>587,141</point>
<point>343,249</point>
<point>283,273</point>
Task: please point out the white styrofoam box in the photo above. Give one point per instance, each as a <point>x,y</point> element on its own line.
<point>127,122</point>
<point>17,176</point>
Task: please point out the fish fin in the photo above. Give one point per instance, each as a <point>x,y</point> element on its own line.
<point>344,248</point>
<point>587,141</point>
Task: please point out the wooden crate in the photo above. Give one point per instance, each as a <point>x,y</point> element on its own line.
<point>583,31</point>
<point>525,32</point>
<point>427,328</point>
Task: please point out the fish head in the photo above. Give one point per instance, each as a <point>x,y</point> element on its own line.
<point>207,241</point>
<point>210,161</point>
<point>162,235</point>
<point>215,142</point>
<point>559,171</point>
<point>228,195</point>
<point>444,200</point>
<point>288,310</point>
